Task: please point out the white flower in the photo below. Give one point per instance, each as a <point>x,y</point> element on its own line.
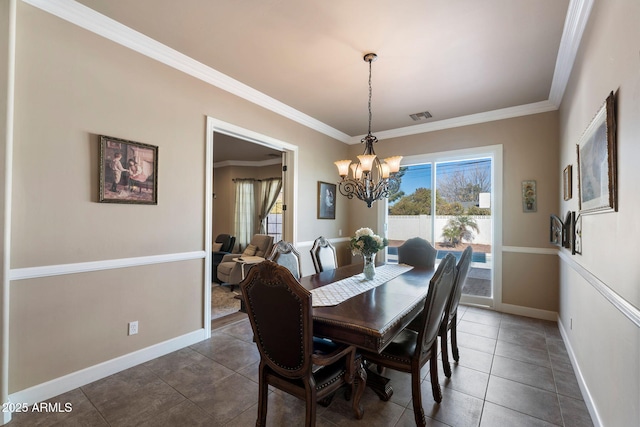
<point>364,232</point>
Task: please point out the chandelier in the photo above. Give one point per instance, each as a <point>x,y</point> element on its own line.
<point>370,178</point>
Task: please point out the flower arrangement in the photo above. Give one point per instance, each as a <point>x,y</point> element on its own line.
<point>365,242</point>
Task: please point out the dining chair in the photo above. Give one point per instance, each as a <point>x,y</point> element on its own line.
<point>417,252</point>
<point>291,359</point>
<point>285,254</point>
<point>323,255</point>
<point>410,350</point>
<point>450,321</point>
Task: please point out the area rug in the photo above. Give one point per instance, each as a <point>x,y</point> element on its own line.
<point>223,302</point>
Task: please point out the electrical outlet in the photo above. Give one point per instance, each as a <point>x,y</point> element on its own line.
<point>133,327</point>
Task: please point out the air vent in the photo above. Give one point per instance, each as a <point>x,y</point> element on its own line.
<point>421,116</point>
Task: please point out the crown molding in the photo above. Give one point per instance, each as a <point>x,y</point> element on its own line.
<point>574,25</point>
<point>472,119</point>
<point>85,17</point>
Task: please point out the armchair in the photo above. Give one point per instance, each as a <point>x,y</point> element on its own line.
<point>231,272</point>
<point>222,246</point>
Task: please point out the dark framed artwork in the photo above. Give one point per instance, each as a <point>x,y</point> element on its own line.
<point>556,231</point>
<point>597,163</point>
<point>577,236</point>
<point>568,236</point>
<point>567,182</point>
<point>326,200</point>
<point>128,171</point>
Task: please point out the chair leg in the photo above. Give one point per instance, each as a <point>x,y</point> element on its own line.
<point>444,351</point>
<point>433,370</point>
<point>454,338</point>
<point>416,395</point>
<point>310,413</point>
<point>263,395</point>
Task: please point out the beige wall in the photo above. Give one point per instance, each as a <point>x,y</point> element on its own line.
<point>530,146</point>
<point>71,87</point>
<point>606,343</point>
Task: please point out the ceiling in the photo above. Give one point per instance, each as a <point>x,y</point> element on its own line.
<point>304,59</point>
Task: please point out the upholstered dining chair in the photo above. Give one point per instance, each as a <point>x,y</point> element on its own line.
<point>323,255</point>
<point>291,359</point>
<point>230,272</point>
<point>411,350</point>
<point>451,313</point>
<point>417,252</point>
<point>285,254</point>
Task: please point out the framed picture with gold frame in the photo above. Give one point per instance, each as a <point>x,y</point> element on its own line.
<point>567,182</point>
<point>597,162</point>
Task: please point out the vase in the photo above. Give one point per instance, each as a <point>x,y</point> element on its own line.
<point>369,269</point>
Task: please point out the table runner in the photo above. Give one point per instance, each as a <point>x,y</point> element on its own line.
<point>336,292</point>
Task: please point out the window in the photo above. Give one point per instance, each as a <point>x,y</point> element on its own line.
<point>274,220</point>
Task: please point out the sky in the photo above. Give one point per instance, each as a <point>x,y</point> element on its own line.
<point>419,176</point>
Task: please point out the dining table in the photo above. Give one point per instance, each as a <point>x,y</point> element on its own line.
<point>371,319</point>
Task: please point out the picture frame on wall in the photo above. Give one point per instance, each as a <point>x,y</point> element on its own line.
<point>576,249</point>
<point>597,162</point>
<point>556,230</point>
<point>529,196</point>
<point>326,200</point>
<point>569,236</point>
<point>128,172</point>
<point>567,182</point>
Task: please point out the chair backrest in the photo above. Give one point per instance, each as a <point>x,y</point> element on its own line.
<point>227,241</point>
<point>285,254</point>
<point>260,245</point>
<point>279,310</point>
<point>418,253</point>
<point>323,255</point>
<point>462,269</point>
<point>435,303</point>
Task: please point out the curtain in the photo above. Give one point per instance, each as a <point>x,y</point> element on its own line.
<point>268,194</point>
<point>245,223</point>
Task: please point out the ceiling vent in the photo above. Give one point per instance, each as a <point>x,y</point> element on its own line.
<point>421,116</point>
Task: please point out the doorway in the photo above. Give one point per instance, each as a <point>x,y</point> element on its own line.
<point>230,145</point>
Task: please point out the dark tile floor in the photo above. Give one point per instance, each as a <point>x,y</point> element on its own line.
<point>513,371</point>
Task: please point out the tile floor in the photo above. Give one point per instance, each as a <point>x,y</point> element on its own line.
<point>513,371</point>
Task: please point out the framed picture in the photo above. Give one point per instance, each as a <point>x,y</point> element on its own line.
<point>556,230</point>
<point>529,196</point>
<point>128,171</point>
<point>577,236</point>
<point>567,182</point>
<point>326,200</point>
<point>568,236</point>
<point>597,163</point>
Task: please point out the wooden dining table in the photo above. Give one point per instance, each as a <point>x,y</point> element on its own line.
<point>370,320</point>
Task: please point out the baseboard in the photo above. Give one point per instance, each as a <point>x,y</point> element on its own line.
<point>536,313</point>
<point>586,396</point>
<point>88,375</point>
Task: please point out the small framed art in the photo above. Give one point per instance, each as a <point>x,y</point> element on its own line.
<point>128,171</point>
<point>597,162</point>
<point>556,230</point>
<point>567,182</point>
<point>326,200</point>
<point>529,196</point>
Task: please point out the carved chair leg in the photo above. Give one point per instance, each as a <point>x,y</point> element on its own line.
<point>263,395</point>
<point>416,396</point>
<point>444,351</point>
<point>454,338</point>
<point>433,370</point>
